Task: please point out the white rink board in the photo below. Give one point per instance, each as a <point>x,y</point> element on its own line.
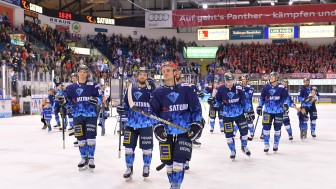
<point>31,158</point>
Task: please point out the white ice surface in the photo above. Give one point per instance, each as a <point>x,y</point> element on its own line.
<point>31,158</point>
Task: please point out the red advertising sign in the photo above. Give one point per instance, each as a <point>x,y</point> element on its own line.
<point>300,75</point>
<point>331,76</point>
<point>255,15</point>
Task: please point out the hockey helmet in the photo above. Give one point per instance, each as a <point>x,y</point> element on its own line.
<point>275,74</point>
<point>306,79</point>
<point>285,80</point>
<point>246,76</point>
<point>82,67</point>
<point>74,75</point>
<point>228,76</point>
<point>143,69</point>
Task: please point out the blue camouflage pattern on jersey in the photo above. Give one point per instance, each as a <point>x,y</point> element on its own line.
<point>233,100</point>
<point>140,97</point>
<point>289,101</point>
<point>273,98</point>
<point>179,105</point>
<point>248,90</point>
<point>78,95</point>
<point>304,93</point>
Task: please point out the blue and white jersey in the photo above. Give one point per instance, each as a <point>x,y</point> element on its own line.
<point>273,98</point>
<point>248,90</point>
<point>304,93</point>
<point>51,99</point>
<point>46,112</point>
<point>78,96</point>
<point>140,98</point>
<point>289,101</point>
<point>303,118</point>
<point>233,100</point>
<point>179,105</point>
<point>57,104</point>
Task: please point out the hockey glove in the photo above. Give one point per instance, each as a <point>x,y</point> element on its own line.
<point>200,94</point>
<point>251,114</point>
<point>211,101</point>
<point>61,100</point>
<point>308,99</point>
<point>247,116</point>
<point>259,110</point>
<point>160,132</point>
<point>195,130</point>
<point>285,107</point>
<point>93,100</point>
<point>121,110</point>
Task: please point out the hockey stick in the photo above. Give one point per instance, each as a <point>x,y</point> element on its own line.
<point>255,127</point>
<point>63,132</point>
<point>160,167</point>
<point>121,102</point>
<point>132,106</point>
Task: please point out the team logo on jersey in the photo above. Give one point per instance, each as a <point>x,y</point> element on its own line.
<point>137,95</point>
<point>272,91</point>
<point>230,94</point>
<point>173,96</point>
<point>79,91</point>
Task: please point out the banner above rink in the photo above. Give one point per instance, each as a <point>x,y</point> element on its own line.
<point>317,31</point>
<point>255,15</point>
<point>213,34</point>
<point>158,19</point>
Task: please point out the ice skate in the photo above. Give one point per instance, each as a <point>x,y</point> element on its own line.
<point>128,174</point>
<point>92,166</point>
<point>57,125</point>
<point>246,151</point>
<point>71,131</point>
<point>75,144</point>
<point>290,137</point>
<point>262,137</point>
<point>196,143</point>
<point>211,130</point>
<point>186,166</point>
<point>266,148</point>
<point>44,127</point>
<point>83,164</point>
<point>250,138</point>
<point>313,134</point>
<point>233,155</point>
<point>145,172</point>
<point>275,148</point>
<point>222,129</point>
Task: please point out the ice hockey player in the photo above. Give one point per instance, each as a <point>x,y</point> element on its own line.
<point>303,119</point>
<point>105,92</point>
<point>84,98</point>
<point>215,109</point>
<point>249,90</point>
<point>286,120</point>
<point>179,104</point>
<point>308,95</point>
<point>273,97</point>
<point>233,100</point>
<point>138,126</point>
<point>58,108</point>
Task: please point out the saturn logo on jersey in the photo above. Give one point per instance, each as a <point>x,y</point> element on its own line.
<point>272,91</point>
<point>141,104</point>
<point>79,91</point>
<point>274,98</point>
<point>173,96</point>
<point>178,107</point>
<point>230,94</point>
<point>82,98</point>
<point>137,95</point>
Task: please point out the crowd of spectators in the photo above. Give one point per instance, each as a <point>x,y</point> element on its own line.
<point>290,57</point>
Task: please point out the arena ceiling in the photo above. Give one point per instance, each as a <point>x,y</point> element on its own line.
<point>131,12</point>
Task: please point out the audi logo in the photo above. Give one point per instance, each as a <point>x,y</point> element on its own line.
<point>158,17</point>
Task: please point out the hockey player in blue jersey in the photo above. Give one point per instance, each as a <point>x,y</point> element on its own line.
<point>84,97</point>
<point>215,109</point>
<point>138,126</point>
<point>58,110</point>
<point>74,79</point>
<point>303,119</point>
<point>308,95</point>
<point>233,100</point>
<point>286,120</point>
<point>176,103</point>
<point>273,97</point>
<point>249,90</point>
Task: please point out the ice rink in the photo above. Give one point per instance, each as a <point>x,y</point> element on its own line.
<point>32,158</point>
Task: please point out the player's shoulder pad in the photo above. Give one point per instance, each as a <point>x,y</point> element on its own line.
<point>187,84</point>
<point>248,85</point>
<point>89,83</point>
<point>281,86</point>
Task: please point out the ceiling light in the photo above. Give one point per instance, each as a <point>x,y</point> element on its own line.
<point>290,2</point>
<point>205,6</point>
<point>272,3</point>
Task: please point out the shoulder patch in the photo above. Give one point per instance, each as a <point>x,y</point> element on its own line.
<point>248,85</point>
<point>186,84</point>
<point>239,87</point>
<point>314,88</point>
<point>89,83</point>
<point>281,86</point>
